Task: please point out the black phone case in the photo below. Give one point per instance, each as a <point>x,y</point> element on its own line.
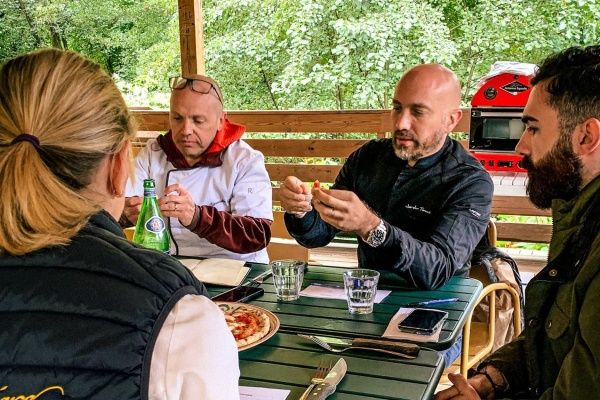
<point>244,299</point>
<point>421,330</point>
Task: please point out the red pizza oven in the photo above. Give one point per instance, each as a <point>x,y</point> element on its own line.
<point>496,111</point>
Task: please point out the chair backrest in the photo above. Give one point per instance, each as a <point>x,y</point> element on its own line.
<point>501,298</point>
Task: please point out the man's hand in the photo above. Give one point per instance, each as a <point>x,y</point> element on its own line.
<point>177,203</point>
<point>295,197</point>
<point>475,388</point>
<point>344,210</point>
<point>132,208</point>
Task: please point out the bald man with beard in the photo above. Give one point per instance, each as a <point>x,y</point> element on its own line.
<point>418,202</point>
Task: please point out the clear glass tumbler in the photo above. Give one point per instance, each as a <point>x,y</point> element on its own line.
<point>361,287</point>
<point>288,276</point>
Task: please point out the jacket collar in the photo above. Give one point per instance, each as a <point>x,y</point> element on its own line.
<point>426,162</point>
<point>102,219</point>
<point>569,215</point>
<point>229,133</point>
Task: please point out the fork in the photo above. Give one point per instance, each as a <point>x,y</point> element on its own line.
<point>332,349</point>
<point>322,371</point>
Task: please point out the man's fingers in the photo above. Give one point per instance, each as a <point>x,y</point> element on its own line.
<point>447,394</point>
<point>325,197</point>
<point>295,185</point>
<point>176,187</point>
<point>459,381</point>
<point>460,390</point>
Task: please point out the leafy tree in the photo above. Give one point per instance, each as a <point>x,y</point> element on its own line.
<point>310,54</point>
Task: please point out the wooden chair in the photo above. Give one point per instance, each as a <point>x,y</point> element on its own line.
<point>478,337</point>
<point>282,245</point>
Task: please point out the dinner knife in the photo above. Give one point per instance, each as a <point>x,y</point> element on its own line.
<point>409,349</point>
<point>329,384</point>
<point>259,278</point>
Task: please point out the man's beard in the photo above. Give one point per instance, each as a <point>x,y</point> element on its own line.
<point>557,175</point>
<point>420,149</point>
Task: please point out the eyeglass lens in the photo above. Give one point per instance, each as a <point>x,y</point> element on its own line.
<point>197,85</point>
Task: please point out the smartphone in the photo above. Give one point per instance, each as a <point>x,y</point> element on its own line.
<point>422,321</point>
<point>240,294</point>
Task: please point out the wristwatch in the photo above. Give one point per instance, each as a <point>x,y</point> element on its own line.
<point>377,235</point>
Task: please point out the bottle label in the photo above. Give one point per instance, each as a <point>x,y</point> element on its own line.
<point>155,225</point>
<point>149,192</point>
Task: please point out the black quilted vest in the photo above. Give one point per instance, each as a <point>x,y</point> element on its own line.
<point>83,319</point>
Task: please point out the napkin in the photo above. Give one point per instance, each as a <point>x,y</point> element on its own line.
<point>324,291</point>
<point>217,271</point>
<point>392,330</point>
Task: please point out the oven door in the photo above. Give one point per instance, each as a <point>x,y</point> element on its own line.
<point>495,129</point>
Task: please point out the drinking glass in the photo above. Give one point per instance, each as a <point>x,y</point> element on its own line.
<point>360,286</point>
<point>288,276</point>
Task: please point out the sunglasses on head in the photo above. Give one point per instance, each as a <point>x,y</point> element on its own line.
<point>199,85</point>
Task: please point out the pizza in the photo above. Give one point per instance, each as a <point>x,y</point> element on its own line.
<point>247,324</point>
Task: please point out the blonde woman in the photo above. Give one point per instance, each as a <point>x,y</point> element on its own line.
<point>86,314</point>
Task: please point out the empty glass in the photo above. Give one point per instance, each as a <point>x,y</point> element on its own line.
<point>360,286</point>
<point>288,276</point>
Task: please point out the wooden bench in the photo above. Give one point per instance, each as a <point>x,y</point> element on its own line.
<point>307,141</point>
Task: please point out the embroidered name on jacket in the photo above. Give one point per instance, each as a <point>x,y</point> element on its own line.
<point>417,208</point>
<point>39,395</point>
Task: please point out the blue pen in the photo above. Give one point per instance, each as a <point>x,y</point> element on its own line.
<point>434,301</point>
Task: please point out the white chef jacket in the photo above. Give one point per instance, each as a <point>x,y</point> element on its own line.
<point>240,186</point>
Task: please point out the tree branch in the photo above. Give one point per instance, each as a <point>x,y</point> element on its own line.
<point>268,85</point>
<point>23,8</point>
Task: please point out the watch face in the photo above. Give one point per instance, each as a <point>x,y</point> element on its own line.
<point>377,236</point>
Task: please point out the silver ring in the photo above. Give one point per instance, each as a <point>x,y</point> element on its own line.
<point>332,213</point>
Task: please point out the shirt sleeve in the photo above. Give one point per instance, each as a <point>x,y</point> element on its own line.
<point>195,356</point>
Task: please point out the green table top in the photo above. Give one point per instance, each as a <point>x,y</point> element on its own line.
<point>288,362</point>
<point>331,317</point>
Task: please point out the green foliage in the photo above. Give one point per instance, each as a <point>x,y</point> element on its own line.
<point>310,54</point>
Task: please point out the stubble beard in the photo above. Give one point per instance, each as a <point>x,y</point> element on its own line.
<point>419,150</point>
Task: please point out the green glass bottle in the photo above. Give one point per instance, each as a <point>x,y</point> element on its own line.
<point>150,229</point>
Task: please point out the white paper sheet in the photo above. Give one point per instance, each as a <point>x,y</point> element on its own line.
<point>332,292</point>
<point>217,271</point>
<point>256,393</point>
<point>392,330</point>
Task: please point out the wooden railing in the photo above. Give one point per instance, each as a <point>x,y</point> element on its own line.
<point>339,124</point>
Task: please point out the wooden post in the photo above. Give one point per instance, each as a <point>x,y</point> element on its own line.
<point>191,37</point>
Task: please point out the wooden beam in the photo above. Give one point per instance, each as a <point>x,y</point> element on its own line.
<point>347,121</point>
<point>306,173</point>
<point>306,147</point>
<point>519,232</point>
<point>516,205</point>
<point>191,37</point>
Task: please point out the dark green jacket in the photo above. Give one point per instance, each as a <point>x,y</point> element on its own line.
<point>558,354</point>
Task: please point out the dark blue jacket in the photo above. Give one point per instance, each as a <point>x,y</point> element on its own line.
<point>85,317</point>
<point>435,212</point>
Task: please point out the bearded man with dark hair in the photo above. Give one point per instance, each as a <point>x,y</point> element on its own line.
<point>557,355</point>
